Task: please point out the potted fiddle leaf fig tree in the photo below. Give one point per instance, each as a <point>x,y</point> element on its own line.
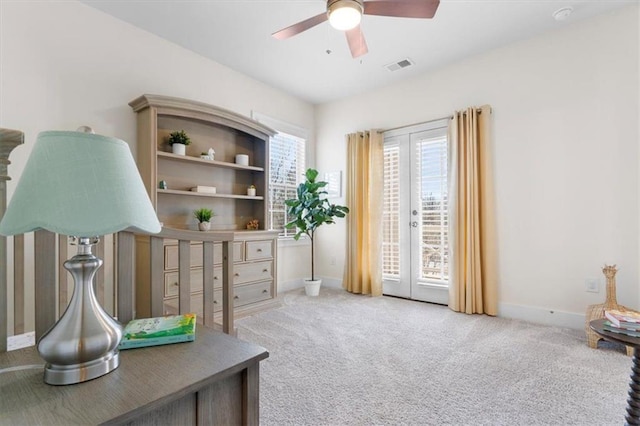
<point>179,141</point>
<point>310,210</point>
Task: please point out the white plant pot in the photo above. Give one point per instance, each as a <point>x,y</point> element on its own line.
<point>204,226</point>
<point>312,288</point>
<point>242,159</point>
<point>179,148</point>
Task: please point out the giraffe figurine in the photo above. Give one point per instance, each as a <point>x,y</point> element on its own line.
<point>597,311</point>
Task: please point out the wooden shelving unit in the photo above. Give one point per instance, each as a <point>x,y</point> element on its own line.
<point>229,134</point>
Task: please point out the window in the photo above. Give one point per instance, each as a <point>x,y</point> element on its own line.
<point>391,212</point>
<point>432,165</point>
<point>287,153</point>
<point>286,171</point>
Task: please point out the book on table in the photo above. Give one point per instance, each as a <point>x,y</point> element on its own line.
<point>624,319</point>
<point>633,332</point>
<point>156,331</point>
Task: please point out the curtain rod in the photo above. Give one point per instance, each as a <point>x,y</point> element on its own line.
<point>450,117</point>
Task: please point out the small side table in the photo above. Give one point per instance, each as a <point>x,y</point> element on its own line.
<point>633,402</point>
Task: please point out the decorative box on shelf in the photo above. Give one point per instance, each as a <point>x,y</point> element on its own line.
<point>205,189</point>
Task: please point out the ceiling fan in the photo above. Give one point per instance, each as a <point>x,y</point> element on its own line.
<point>345,15</point>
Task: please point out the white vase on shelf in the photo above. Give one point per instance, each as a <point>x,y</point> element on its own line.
<point>179,148</point>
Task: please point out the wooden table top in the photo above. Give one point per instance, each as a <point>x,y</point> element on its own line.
<point>147,378</point>
<point>598,327</point>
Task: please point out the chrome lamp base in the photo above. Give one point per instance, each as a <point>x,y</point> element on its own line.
<point>83,344</point>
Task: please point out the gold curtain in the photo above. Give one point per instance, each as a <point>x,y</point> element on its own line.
<point>472,231</point>
<point>363,270</point>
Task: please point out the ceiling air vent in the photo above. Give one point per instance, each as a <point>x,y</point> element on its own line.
<point>395,66</point>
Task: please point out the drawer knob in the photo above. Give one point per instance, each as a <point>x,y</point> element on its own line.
<point>259,250</point>
<point>265,291</point>
<point>237,274</point>
<point>175,284</point>
<point>215,302</point>
<point>215,278</point>
<point>236,297</point>
<point>265,270</point>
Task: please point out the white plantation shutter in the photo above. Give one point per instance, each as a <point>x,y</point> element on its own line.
<point>431,160</point>
<point>286,171</point>
<point>390,214</point>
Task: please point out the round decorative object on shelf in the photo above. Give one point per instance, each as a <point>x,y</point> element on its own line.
<point>242,159</point>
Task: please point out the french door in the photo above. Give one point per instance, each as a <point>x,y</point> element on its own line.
<point>415,218</point>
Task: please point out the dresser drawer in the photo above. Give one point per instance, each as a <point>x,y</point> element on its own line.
<point>237,247</point>
<point>217,301</point>
<point>252,293</point>
<point>248,272</point>
<point>257,250</point>
<point>171,287</point>
<point>171,256</point>
<point>195,254</point>
<point>171,306</point>
<point>217,277</point>
<point>238,251</point>
<point>217,253</point>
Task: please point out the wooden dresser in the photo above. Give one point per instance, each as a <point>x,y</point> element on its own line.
<point>170,180</point>
<point>254,267</point>
<point>213,380</point>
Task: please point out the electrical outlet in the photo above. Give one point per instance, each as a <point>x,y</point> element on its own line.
<point>591,285</point>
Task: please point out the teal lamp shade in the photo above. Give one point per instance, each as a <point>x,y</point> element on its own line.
<point>82,185</point>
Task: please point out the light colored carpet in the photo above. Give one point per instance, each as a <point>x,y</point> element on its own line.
<point>342,359</point>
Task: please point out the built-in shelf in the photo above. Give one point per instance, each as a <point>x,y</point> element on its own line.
<point>185,158</point>
<point>205,194</point>
<point>229,134</point>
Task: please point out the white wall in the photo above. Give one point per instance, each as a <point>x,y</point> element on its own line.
<point>64,64</point>
<point>565,132</point>
<point>566,158</point>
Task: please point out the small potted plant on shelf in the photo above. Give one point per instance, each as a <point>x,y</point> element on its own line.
<point>179,141</point>
<point>204,216</point>
<point>310,210</point>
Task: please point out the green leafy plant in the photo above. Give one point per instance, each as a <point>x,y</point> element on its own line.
<point>179,136</point>
<point>311,209</point>
<point>203,214</point>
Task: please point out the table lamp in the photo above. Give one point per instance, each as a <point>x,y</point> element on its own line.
<point>82,185</point>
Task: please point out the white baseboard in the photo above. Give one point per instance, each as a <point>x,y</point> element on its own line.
<point>505,310</point>
<point>332,283</point>
<point>542,316</point>
<point>21,341</point>
<point>284,286</point>
<point>299,283</point>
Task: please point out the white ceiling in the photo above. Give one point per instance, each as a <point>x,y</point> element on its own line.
<point>237,33</point>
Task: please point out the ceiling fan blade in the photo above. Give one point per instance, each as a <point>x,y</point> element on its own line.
<point>357,43</point>
<point>300,27</point>
<point>402,8</point>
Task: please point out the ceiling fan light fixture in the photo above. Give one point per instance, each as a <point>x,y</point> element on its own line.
<point>345,14</point>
